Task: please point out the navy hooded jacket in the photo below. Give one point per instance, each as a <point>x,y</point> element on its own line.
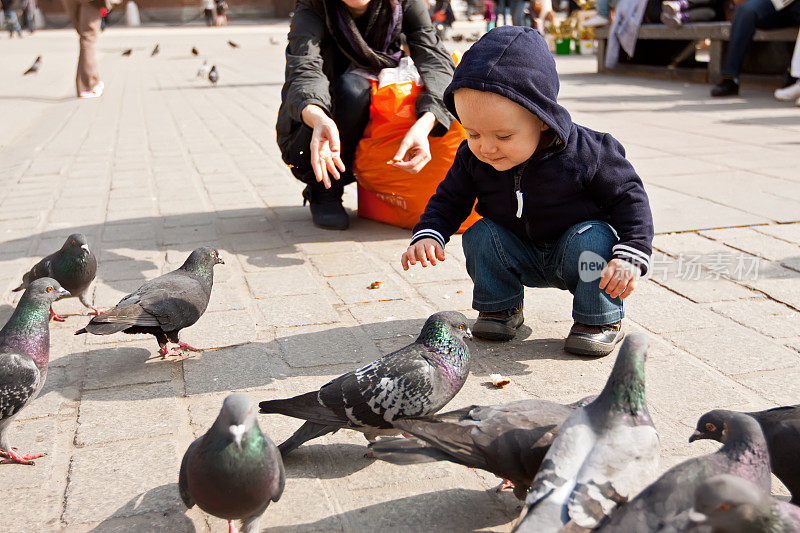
<point>582,175</point>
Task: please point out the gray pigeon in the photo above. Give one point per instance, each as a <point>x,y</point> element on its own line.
<point>781,427</point>
<point>165,305</point>
<point>730,504</point>
<point>508,440</point>
<point>233,471</point>
<point>73,266</point>
<point>24,354</point>
<point>604,453</point>
<point>416,380</point>
<point>33,69</point>
<point>665,505</point>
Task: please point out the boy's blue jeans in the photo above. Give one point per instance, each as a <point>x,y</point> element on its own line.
<point>500,265</point>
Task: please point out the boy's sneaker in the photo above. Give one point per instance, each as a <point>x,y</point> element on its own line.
<point>726,87</point>
<point>596,21</point>
<point>595,341</point>
<point>787,94</point>
<point>500,325</point>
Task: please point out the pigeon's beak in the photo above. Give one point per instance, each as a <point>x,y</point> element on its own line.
<point>220,261</point>
<point>237,432</point>
<point>696,518</point>
<point>696,436</point>
<point>468,333</point>
<point>85,247</point>
<point>63,293</point>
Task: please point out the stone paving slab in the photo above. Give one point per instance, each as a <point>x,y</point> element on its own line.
<point>163,163</point>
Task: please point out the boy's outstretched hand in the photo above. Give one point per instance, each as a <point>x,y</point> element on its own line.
<point>619,278</point>
<point>424,251</point>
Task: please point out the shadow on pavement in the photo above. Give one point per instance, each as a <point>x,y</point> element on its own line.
<point>158,509</point>
<point>264,237</point>
<point>473,507</point>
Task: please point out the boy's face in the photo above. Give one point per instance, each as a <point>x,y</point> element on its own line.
<point>500,132</point>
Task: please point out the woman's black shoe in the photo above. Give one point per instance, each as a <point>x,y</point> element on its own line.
<point>726,87</point>
<point>327,211</point>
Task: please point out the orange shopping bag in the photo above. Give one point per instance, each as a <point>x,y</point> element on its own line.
<point>388,194</point>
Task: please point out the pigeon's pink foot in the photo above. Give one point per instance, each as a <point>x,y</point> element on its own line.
<point>231,527</point>
<point>95,311</point>
<point>166,352</point>
<point>55,317</point>
<point>184,346</point>
<point>12,457</point>
<point>407,435</point>
<point>506,484</point>
<point>369,455</point>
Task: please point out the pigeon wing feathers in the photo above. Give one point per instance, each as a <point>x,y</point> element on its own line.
<point>42,269</point>
<point>19,378</point>
<point>620,464</point>
<point>176,300</point>
<point>306,407</point>
<point>454,439</point>
<point>395,386</point>
<point>563,460</point>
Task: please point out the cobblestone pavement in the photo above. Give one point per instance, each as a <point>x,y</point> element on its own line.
<point>164,162</point>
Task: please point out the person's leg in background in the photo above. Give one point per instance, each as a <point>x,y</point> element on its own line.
<point>350,95</point>
<point>749,16</point>
<point>501,10</point>
<point>791,90</point>
<point>518,12</point>
<point>12,21</point>
<point>88,76</point>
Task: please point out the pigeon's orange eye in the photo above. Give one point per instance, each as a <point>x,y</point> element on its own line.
<point>724,506</point>
<point>49,289</point>
<point>212,254</point>
<point>74,243</point>
<point>711,427</point>
<point>461,326</point>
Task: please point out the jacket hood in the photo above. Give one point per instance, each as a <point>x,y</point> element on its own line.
<point>514,62</point>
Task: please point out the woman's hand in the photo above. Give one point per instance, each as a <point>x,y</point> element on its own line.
<point>619,278</point>
<point>325,149</point>
<point>415,152</point>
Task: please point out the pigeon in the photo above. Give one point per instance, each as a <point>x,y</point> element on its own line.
<point>24,354</point>
<point>194,51</point>
<point>730,504</point>
<point>73,266</point>
<point>665,504</point>
<point>781,427</point>
<point>203,70</point>
<point>416,380</point>
<point>233,471</point>
<point>127,52</point>
<point>233,44</point>
<point>165,305</point>
<point>212,75</point>
<point>508,440</point>
<point>35,67</point>
<point>155,50</point>
<point>604,453</point>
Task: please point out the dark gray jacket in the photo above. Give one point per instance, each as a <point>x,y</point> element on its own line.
<point>313,61</point>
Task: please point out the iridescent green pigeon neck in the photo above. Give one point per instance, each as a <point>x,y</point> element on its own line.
<point>624,390</point>
<point>436,334</point>
<point>27,331</point>
<point>200,267</point>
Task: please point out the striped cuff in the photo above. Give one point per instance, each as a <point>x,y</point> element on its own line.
<point>428,234</point>
<point>633,256</point>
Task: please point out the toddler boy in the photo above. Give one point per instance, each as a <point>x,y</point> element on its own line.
<point>561,205</point>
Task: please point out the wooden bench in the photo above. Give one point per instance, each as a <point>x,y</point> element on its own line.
<point>718,34</point>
